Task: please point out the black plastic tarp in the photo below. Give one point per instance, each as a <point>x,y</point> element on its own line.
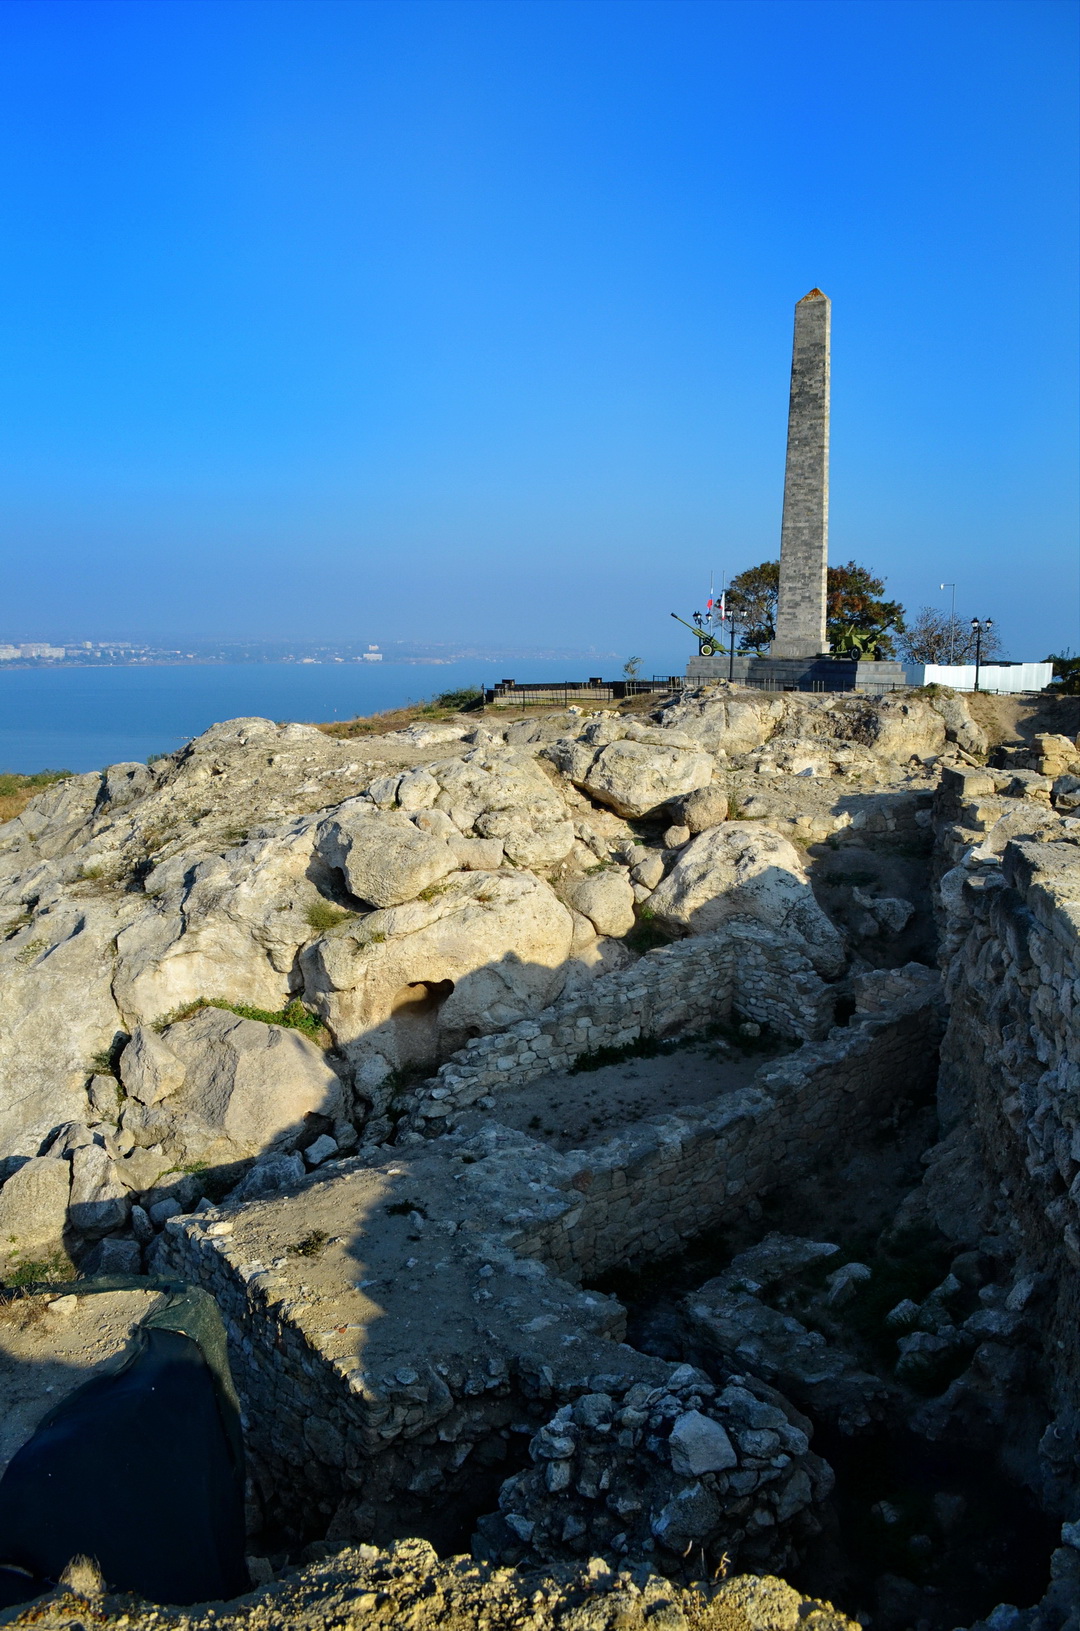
<point>140,1469</point>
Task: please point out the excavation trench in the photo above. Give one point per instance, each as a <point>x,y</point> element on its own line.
<point>542,1237</point>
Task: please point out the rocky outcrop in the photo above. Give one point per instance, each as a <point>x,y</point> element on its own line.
<point>411,983</point>
<point>741,869</point>
<point>219,1088</point>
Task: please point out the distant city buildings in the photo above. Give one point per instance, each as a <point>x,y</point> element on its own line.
<point>31,649</point>
<point>373,655</point>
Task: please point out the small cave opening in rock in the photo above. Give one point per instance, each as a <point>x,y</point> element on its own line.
<point>415,1011</point>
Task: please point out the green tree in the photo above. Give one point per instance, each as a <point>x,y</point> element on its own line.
<point>855,612</point>
<point>854,607</point>
<point>1066,681</point>
<point>751,599</point>
<point>632,668</point>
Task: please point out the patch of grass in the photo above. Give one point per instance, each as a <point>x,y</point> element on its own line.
<point>235,835</point>
<point>433,891</point>
<point>312,1244</point>
<point>469,699</point>
<point>88,874</point>
<point>41,1271</point>
<point>647,934</point>
<point>463,701</point>
<point>293,1017</point>
<point>31,951</point>
<point>17,791</point>
<point>322,915</point>
<point>156,758</point>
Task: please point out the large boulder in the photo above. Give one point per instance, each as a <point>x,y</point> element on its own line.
<point>635,778</point>
<point>606,898</point>
<point>59,1013</point>
<point>507,796</point>
<point>742,869</point>
<point>228,926</point>
<point>33,1213</point>
<point>411,984</point>
<point>385,858</point>
<point>218,1088</point>
<point>732,723</point>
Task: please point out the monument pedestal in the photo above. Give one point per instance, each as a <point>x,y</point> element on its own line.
<point>799,673</point>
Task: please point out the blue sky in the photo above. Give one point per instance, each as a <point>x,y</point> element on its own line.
<point>361,319</point>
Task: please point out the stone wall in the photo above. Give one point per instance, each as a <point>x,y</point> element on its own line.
<point>376,1346</point>
<point>1011,1062</point>
<point>742,968</point>
<point>645,1194</point>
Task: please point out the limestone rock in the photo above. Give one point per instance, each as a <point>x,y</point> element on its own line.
<point>959,725</point>
<point>246,1088</point>
<point>635,778</point>
<point>227,927</point>
<point>538,839</point>
<point>385,860</point>
<point>744,869</point>
<point>149,1069</point>
<point>99,1201</point>
<point>33,1212</point>
<point>706,807</point>
<point>606,899</point>
<point>506,795</point>
<point>59,1012</point>
<point>698,1444</point>
<point>412,983</point>
<point>649,871</point>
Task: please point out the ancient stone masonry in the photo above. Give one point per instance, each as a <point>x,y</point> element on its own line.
<point>804,546</point>
<point>678,988</point>
<point>1011,1058</point>
<point>359,1373</point>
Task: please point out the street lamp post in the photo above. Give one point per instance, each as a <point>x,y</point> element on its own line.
<point>952,620</point>
<point>979,629</point>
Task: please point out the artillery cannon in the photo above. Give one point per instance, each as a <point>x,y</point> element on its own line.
<point>709,645</point>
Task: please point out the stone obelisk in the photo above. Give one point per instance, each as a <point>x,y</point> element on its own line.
<point>804,538</point>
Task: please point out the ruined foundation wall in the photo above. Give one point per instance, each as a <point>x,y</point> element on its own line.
<point>646,1194</point>
<point>675,989</point>
<point>327,1425</point>
<point>1011,1063</point>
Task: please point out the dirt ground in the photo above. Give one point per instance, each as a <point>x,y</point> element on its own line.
<point>1021,718</point>
<point>572,1111</point>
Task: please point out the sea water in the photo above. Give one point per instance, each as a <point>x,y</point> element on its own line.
<point>74,718</point>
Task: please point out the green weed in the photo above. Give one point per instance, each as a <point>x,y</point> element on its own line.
<point>293,1017</point>
<point>312,1244</point>
<point>321,916</point>
<point>41,1271</point>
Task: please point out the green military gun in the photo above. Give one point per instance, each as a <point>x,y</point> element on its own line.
<point>709,645</point>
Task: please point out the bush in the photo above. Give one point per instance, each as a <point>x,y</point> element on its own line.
<point>459,702</point>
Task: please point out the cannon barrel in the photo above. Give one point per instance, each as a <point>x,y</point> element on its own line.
<point>708,644</point>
